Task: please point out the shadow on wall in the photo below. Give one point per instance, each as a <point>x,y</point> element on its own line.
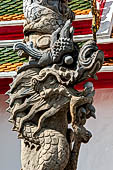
<point>98,153</point>
<point>9,144</point>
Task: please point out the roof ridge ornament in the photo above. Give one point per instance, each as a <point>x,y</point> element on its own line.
<point>96,18</point>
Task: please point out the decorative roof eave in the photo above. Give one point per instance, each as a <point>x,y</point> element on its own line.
<point>14,31</point>
<point>13,9</point>
<point>15,17</point>
<point>81,34</point>
<point>100,39</point>
<point>21,22</point>
<point>84,17</point>
<point>11,23</point>
<point>8,74</point>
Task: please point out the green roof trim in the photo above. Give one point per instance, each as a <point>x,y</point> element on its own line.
<point>10,7</point>
<point>7,55</point>
<point>80,4</point>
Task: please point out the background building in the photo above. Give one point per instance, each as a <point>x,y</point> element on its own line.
<point>98,153</point>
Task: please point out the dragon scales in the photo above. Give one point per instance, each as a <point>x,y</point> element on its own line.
<point>42,99</point>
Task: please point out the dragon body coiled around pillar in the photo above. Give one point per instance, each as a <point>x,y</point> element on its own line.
<point>42,98</point>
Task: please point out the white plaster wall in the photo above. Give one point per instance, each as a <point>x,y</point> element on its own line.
<point>96,155</point>
<point>9,144</point>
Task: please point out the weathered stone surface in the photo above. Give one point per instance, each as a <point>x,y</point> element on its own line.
<point>42,100</point>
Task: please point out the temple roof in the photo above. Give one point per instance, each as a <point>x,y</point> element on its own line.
<point>13,9</point>
<point>9,60</point>
<point>80,7</point>
<point>10,7</point>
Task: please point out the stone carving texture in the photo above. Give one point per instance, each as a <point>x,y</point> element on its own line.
<point>42,99</point>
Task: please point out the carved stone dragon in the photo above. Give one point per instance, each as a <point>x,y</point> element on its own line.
<point>42,99</point>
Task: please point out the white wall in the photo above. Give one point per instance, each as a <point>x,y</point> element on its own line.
<point>9,144</point>
<point>96,155</point>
